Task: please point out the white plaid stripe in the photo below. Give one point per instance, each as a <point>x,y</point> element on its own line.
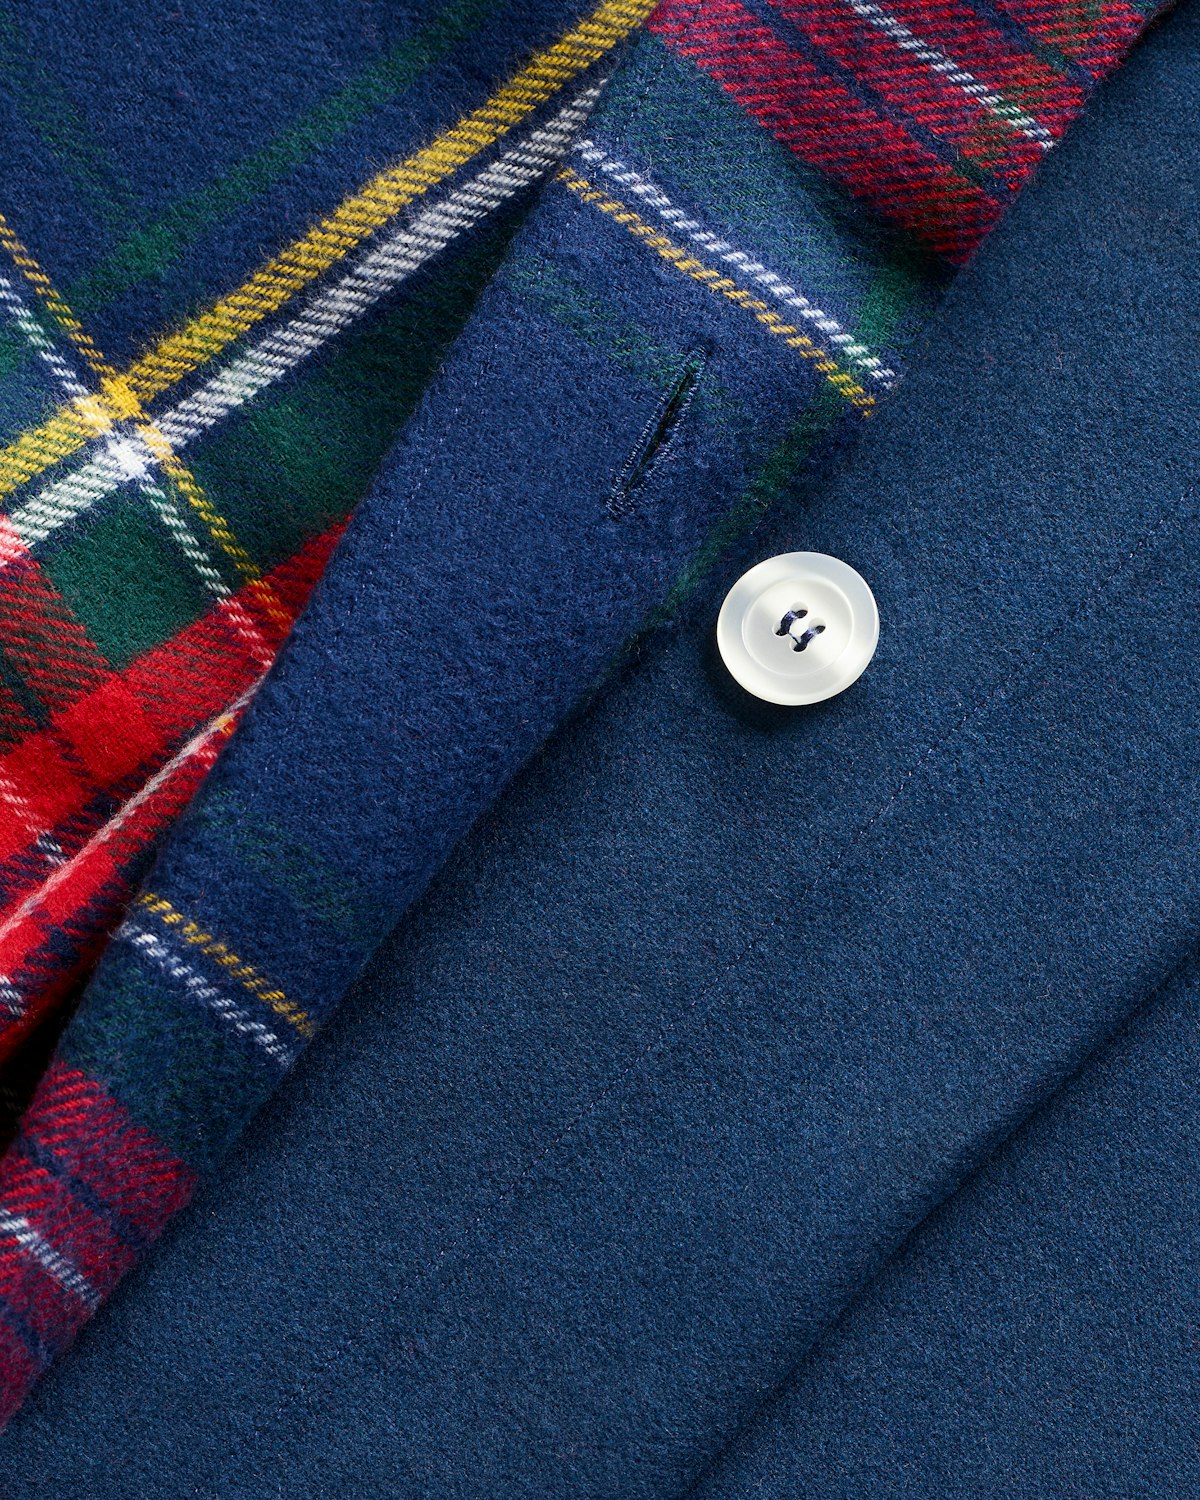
<point>38,1248</point>
<point>842,344</point>
<point>329,312</point>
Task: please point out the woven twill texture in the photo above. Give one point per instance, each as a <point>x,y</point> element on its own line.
<point>152,561</point>
<point>765,208</point>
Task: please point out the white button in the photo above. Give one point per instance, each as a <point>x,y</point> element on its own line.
<point>798,628</point>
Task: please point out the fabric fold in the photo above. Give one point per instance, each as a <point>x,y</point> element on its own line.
<point>166,517</point>
<point>672,336</point>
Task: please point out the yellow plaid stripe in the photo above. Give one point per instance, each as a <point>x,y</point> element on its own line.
<point>117,401</point>
<point>245,974</point>
<point>724,286</point>
<point>328,242</point>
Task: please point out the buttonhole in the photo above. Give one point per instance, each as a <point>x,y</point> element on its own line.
<point>656,436</point>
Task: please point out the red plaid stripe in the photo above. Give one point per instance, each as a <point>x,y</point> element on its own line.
<point>827,126</point>
<point>931,98</point>
<point>91,1186</point>
<point>93,1141</point>
<point>1096,35</point>
<point>113,739</point>
<point>874,139</point>
<point>972,41</point>
<point>42,638</point>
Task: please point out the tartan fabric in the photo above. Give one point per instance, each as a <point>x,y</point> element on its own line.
<point>142,593</point>
<point>850,156</point>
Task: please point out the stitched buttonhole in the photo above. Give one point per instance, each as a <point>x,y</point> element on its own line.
<point>656,437</point>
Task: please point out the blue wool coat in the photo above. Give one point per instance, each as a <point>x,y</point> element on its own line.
<point>759,1102</point>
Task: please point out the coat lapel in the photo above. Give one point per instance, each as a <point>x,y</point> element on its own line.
<point>662,349</point>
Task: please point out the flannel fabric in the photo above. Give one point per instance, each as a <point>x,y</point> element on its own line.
<point>721,282</point>
<point>719,999</point>
<point>185,421</point>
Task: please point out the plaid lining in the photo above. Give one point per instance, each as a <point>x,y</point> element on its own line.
<point>928,144</point>
<point>99,645</point>
<point>918,120</point>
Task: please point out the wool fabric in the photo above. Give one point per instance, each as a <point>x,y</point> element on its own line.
<point>719,285</point>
